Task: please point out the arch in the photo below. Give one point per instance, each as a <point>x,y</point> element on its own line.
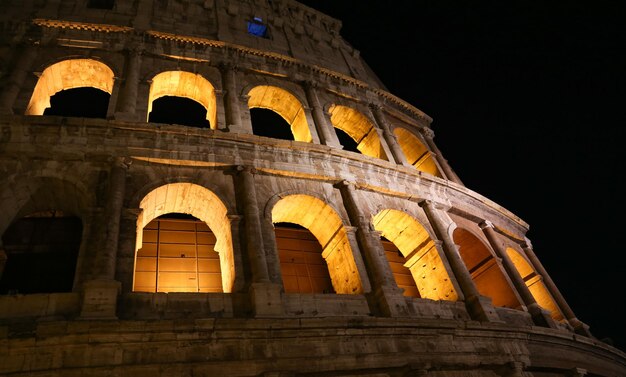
<point>359,128</point>
<point>420,254</point>
<point>284,104</point>
<point>326,226</point>
<point>201,203</point>
<point>188,85</point>
<point>35,212</point>
<point>415,152</point>
<point>484,269</point>
<point>535,284</point>
<point>69,74</point>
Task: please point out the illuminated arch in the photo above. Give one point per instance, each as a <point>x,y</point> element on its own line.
<point>419,251</point>
<point>484,269</point>
<point>284,104</point>
<point>69,74</point>
<point>359,128</point>
<point>415,152</point>
<point>326,226</point>
<point>201,203</point>
<point>187,85</point>
<point>535,284</point>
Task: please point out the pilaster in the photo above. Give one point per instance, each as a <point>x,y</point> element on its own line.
<point>540,316</point>
<point>579,327</point>
<point>99,294</point>
<point>428,135</point>
<point>325,130</point>
<point>396,154</point>
<point>479,307</point>
<point>385,296</point>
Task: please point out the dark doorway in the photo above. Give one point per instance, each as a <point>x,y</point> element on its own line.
<point>269,124</point>
<point>347,141</point>
<point>79,102</point>
<point>178,110</point>
<point>41,254</point>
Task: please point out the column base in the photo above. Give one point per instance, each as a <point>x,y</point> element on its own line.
<point>266,300</point>
<point>541,317</point>
<point>481,309</point>
<point>125,117</point>
<point>580,328</point>
<point>389,301</point>
<point>99,299</point>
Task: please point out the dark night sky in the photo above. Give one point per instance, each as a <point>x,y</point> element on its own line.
<point>528,101</point>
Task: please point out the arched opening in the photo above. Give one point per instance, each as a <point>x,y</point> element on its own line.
<point>269,124</point>
<point>535,284</point>
<point>302,266</point>
<point>177,255</point>
<point>485,271</point>
<point>347,142</point>
<point>191,90</point>
<point>66,75</point>
<point>178,110</point>
<point>79,102</point>
<point>415,152</point>
<point>326,226</point>
<point>41,250</point>
<point>195,225</point>
<point>359,129</point>
<point>401,273</point>
<point>418,254</point>
<point>284,104</point>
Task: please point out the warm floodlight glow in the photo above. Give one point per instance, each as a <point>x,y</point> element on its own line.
<point>359,128</point>
<point>535,284</point>
<point>415,152</point>
<point>421,255</point>
<point>187,85</point>
<point>324,223</point>
<point>201,203</point>
<point>69,74</point>
<point>486,273</point>
<point>284,104</point>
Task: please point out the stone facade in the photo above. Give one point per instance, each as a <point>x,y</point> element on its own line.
<point>484,305</point>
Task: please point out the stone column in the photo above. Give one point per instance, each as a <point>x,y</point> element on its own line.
<point>386,294</point>
<point>540,316</point>
<point>324,129</point>
<point>231,99</point>
<point>579,327</point>
<point>479,307</point>
<point>16,78</point>
<point>397,155</point>
<point>447,170</point>
<point>126,108</point>
<point>99,295</point>
<point>221,113</point>
<point>265,295</point>
<point>235,222</point>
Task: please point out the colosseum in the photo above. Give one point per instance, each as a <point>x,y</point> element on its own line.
<point>224,188</point>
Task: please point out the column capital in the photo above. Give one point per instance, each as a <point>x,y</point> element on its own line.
<point>427,132</point>
<point>486,224</point>
<point>309,84</point>
<point>234,219</point>
<point>346,183</point>
<point>123,162</point>
<point>245,169</point>
<point>131,213</point>
<point>228,66</point>
<point>433,205</point>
